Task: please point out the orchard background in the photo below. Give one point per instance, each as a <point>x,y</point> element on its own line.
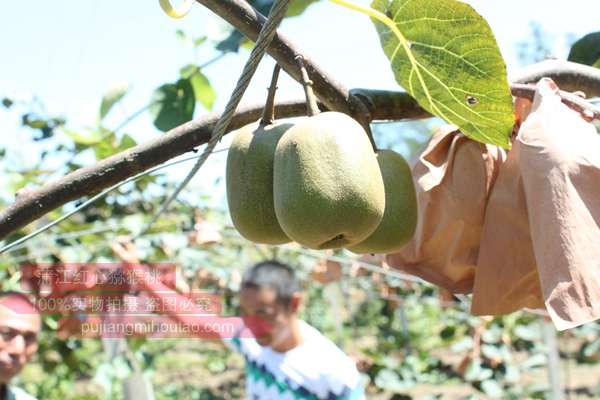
<point>78,84</point>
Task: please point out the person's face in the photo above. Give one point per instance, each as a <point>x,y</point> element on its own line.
<point>268,320</point>
<point>18,339</point>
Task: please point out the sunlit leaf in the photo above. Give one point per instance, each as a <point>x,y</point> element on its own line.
<point>535,361</point>
<point>529,332</point>
<point>445,55</point>
<point>87,137</point>
<point>126,142</point>
<point>389,380</point>
<point>112,97</point>
<point>476,372</point>
<point>297,7</point>
<point>104,149</point>
<point>199,41</point>
<point>180,34</point>
<point>203,91</point>
<point>492,388</point>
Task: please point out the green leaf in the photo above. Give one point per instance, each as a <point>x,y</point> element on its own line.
<point>529,332</point>
<point>476,372</point>
<point>445,55</point>
<point>203,91</point>
<point>199,41</point>
<point>389,380</point>
<point>491,352</point>
<point>297,7</point>
<point>535,361</point>
<point>592,348</point>
<point>172,104</point>
<point>106,147</point>
<point>87,137</point>
<point>7,103</point>
<point>126,142</point>
<point>181,35</point>
<point>492,388</point>
<point>586,50</point>
<point>188,71</point>
<point>112,97</point>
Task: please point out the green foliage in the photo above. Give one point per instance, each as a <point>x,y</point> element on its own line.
<point>586,50</point>
<point>445,55</point>
<point>112,97</point>
<point>172,104</point>
<point>203,91</point>
<point>45,126</point>
<point>7,103</point>
<point>297,7</point>
<point>181,35</point>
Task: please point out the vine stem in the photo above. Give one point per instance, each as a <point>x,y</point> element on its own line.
<point>265,37</point>
<point>97,197</point>
<point>311,101</point>
<point>268,116</point>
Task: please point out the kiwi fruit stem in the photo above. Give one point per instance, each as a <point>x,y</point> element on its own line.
<point>268,116</point>
<point>312,108</point>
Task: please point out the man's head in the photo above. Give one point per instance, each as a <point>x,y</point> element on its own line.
<point>20,324</point>
<point>269,301</point>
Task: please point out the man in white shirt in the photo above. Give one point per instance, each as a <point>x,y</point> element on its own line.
<point>20,324</point>
<point>286,358</point>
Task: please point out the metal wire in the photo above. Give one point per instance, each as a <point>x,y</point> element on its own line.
<point>13,245</point>
<point>265,37</point>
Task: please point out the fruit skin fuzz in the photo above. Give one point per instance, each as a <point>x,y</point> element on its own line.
<point>328,189</point>
<point>249,181</point>
<point>400,217</point>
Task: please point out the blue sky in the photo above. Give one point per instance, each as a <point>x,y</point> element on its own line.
<point>69,52</point>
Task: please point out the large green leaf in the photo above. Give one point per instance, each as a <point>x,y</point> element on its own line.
<point>112,97</point>
<point>172,104</point>
<point>586,50</point>
<point>447,58</point>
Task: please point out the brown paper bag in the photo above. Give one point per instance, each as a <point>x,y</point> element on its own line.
<point>544,241</point>
<point>506,278</point>
<point>453,177</point>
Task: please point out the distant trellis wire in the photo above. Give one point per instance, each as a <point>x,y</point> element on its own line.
<point>13,245</point>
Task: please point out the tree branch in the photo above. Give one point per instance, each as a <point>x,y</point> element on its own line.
<point>334,95</point>
<point>569,76</point>
<point>362,104</point>
<point>33,203</point>
<point>384,104</point>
